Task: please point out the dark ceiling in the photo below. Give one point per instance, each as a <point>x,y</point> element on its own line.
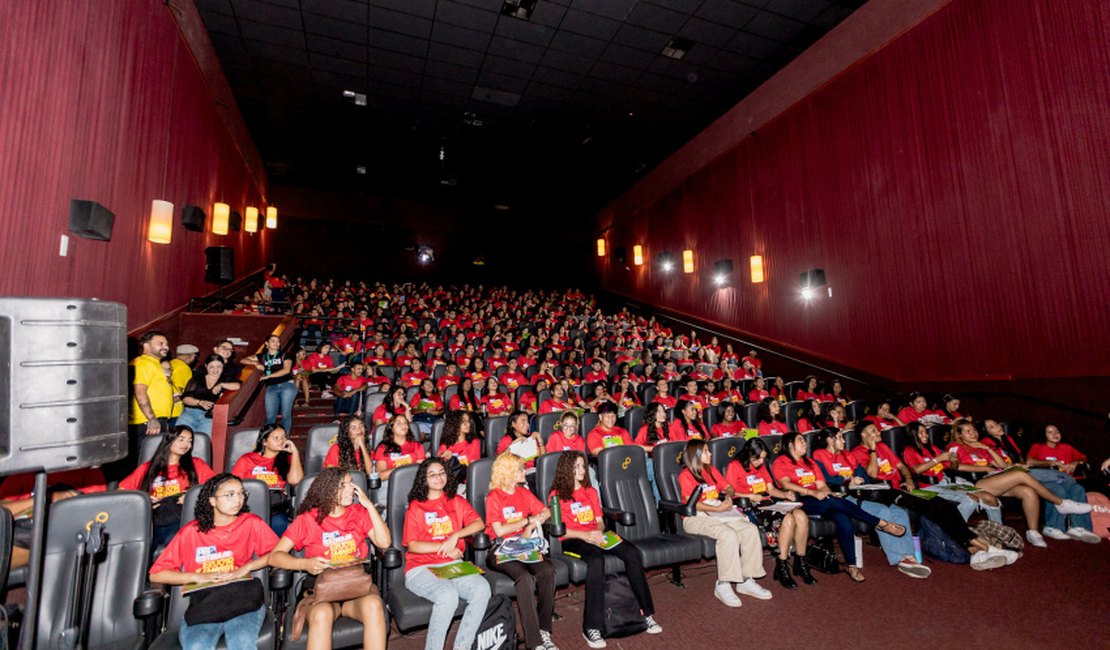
<point>555,114</point>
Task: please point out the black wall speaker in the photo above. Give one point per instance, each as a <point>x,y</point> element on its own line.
<point>219,265</point>
<point>235,221</point>
<point>192,217</point>
<point>63,383</point>
<point>812,278</point>
<point>621,254</point>
<point>723,266</point>
<point>90,220</point>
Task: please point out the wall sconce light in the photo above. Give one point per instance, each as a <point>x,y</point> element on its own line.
<point>687,261</point>
<point>601,248</point>
<point>757,269</point>
<point>221,213</point>
<point>271,217</point>
<point>638,255</point>
<point>722,269</point>
<point>251,224</point>
<point>160,230</point>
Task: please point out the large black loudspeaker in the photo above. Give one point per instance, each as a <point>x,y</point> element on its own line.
<point>192,217</point>
<point>90,220</point>
<point>219,266</point>
<point>63,383</point>
<point>812,278</point>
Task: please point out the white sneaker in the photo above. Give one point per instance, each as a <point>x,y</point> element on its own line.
<point>1069,507</point>
<point>1083,535</point>
<point>1011,556</point>
<point>652,626</point>
<point>547,644</point>
<point>987,560</point>
<point>723,592</point>
<point>752,588</point>
<point>1055,533</point>
<point>1035,538</point>
<point>915,569</point>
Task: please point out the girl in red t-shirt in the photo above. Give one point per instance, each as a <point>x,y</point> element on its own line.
<point>465,399</point>
<point>399,447</point>
<point>495,402</point>
<point>749,477</point>
<point>759,391</point>
<point>165,478</point>
<point>687,422</point>
<point>739,549</point>
<point>221,544</point>
<point>567,437</point>
<point>332,526</point>
<point>884,418</point>
<point>393,404</point>
<point>771,420</point>
<point>580,508</point>
<point>436,523</point>
<point>518,430</point>
<point>349,452</point>
<point>730,425</point>
<point>461,442</point>
<point>512,511</point>
<point>275,461</point>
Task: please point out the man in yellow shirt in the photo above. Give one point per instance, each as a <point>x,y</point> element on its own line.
<point>152,402</point>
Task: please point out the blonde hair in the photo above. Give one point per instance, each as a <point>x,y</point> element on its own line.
<point>506,468</point>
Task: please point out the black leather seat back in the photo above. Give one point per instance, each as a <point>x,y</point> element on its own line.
<point>495,431</point>
<point>622,472</point>
<point>724,450</point>
<point>546,424</point>
<point>320,438</point>
<point>242,442</point>
<point>667,462</point>
<point>634,419</point>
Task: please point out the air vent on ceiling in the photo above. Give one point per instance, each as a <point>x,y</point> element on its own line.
<point>521,9</point>
<point>678,47</point>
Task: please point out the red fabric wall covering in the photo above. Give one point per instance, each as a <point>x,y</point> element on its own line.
<point>954,187</point>
<point>103,101</point>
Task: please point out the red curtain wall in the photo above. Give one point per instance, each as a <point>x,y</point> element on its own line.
<point>103,101</point>
<point>954,187</point>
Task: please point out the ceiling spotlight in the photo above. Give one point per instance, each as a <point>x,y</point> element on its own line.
<point>720,279</point>
<point>677,48</point>
<point>358,98</point>
<point>425,254</point>
<point>521,9</point>
<point>722,269</point>
<point>807,293</point>
<point>360,170</point>
<point>810,281</point>
<point>666,262</point>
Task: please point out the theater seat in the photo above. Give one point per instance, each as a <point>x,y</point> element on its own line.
<point>242,442</point>
<point>320,438</point>
<point>175,614</point>
<point>667,462</point>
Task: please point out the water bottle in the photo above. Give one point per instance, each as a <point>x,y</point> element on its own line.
<point>556,512</point>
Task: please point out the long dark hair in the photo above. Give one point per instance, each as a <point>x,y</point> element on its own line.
<point>281,461</point>
<point>324,493</point>
<point>388,443</point>
<point>452,424</point>
<point>204,513</point>
<point>348,458</point>
<point>419,491</point>
<point>655,431</point>
<point>765,411</point>
<point>787,440</point>
<point>752,449</point>
<point>201,372</point>
<point>161,460</point>
<point>387,403</point>
<point>467,397</point>
<point>912,429</point>
<point>697,421</point>
<point>563,484</point>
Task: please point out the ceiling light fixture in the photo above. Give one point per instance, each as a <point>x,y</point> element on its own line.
<point>722,269</point>
<point>666,261</point>
<point>521,9</point>
<point>358,98</point>
<point>678,47</point>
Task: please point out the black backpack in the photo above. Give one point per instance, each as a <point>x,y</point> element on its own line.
<point>622,610</point>
<point>498,628</point>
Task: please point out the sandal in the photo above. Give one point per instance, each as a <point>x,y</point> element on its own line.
<point>891,528</point>
<point>854,574</point>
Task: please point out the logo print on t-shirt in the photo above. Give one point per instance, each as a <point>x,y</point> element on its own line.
<point>341,547</point>
<point>212,560</point>
<point>583,513</point>
<point>438,527</point>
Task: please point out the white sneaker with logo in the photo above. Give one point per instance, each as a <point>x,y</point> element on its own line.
<point>987,560</point>
<point>752,588</point>
<point>723,592</point>
<point>1069,507</point>
<point>1055,533</point>
<point>1083,535</point>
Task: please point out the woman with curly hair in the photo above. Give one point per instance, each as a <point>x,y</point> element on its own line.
<point>276,462</point>
<point>349,452</point>
<point>512,511</point>
<point>771,419</point>
<point>234,544</point>
<point>436,523</point>
<point>465,399</point>
<point>165,478</point>
<point>393,404</point>
<point>580,507</point>
<point>399,447</point>
<point>461,442</point>
<point>332,526</point>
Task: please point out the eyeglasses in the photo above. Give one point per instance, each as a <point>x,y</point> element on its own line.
<point>232,496</point>
<point>437,474</point>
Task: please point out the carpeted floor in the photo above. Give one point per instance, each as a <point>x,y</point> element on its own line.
<point>1051,598</point>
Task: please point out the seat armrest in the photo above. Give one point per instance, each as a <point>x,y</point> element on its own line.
<point>389,556</point>
<point>280,579</point>
<point>684,509</point>
<point>555,531</point>
<point>622,517</point>
<point>148,603</point>
<point>373,482</point>
<point>742,502</point>
<point>480,542</point>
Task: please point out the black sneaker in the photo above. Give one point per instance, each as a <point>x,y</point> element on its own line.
<point>593,638</point>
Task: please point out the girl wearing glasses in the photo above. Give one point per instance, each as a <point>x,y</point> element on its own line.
<point>223,543</point>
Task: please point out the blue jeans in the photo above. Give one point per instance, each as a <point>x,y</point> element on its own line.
<point>240,632</point>
<point>651,479</point>
<point>445,595</point>
<point>1065,487</point>
<point>193,418</point>
<point>279,398</point>
<point>895,548</point>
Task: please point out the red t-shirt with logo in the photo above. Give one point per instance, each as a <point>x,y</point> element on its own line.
<point>600,438</point>
<point>411,452</point>
<point>466,452</point>
<point>350,382</point>
<point>801,473</point>
<point>169,484</point>
<point>256,466</point>
<point>680,432</point>
<point>332,457</point>
<point>668,401</point>
<point>1061,453</point>
<point>773,427</point>
<point>714,481</point>
<point>505,508</point>
<point>513,380</point>
<point>888,463</point>
<point>559,442</point>
<point>317,361</point>
<point>339,539</point>
<point>642,436</point>
<point>913,458</point>
<point>756,481</point>
<point>497,404</point>
<point>841,464</point>
<point>728,429</point>
<point>435,520</point>
<point>222,549</point>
